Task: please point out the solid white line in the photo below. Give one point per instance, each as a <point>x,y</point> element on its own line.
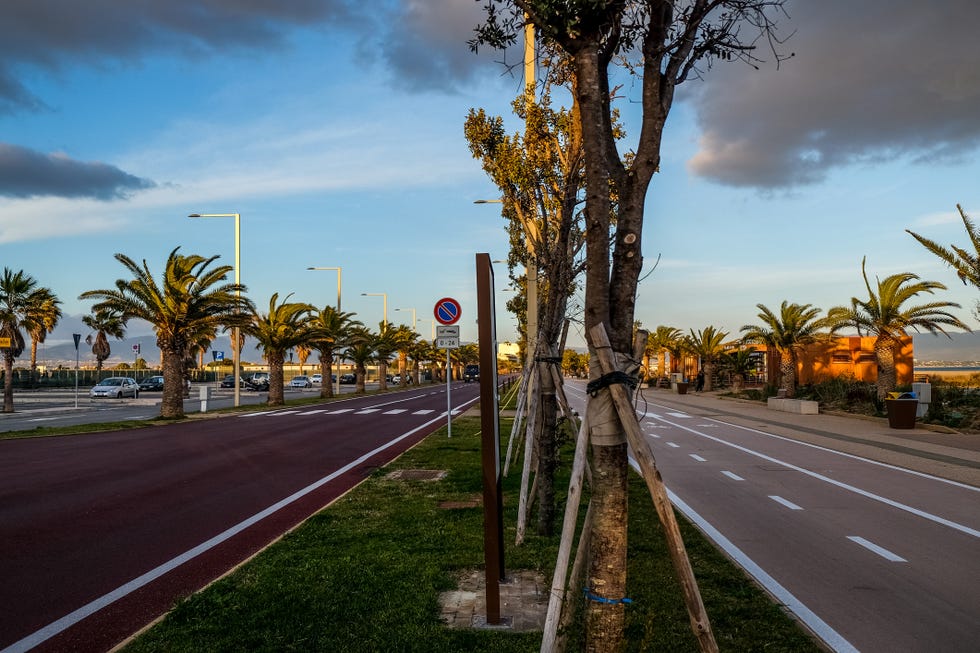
<point>821,628</point>
<point>874,548</point>
<point>673,445</point>
<point>844,486</point>
<point>733,476</point>
<point>698,458</point>
<point>785,502</point>
<point>72,618</point>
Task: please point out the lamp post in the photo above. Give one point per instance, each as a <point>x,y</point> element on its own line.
<point>413,317</point>
<point>338,312</point>
<point>338,282</point>
<point>385,305</point>
<point>433,323</point>
<point>235,352</point>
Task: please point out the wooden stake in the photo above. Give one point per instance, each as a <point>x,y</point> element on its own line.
<point>648,466</point>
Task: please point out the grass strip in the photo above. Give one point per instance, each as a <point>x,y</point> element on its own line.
<point>365,574</point>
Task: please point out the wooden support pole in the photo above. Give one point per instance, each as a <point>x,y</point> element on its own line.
<point>651,475</point>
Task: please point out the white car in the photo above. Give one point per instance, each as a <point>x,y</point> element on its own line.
<point>300,382</point>
<point>115,387</point>
<point>316,379</point>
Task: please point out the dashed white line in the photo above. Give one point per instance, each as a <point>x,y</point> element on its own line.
<point>341,410</point>
<point>733,476</point>
<point>395,411</point>
<point>365,411</point>
<point>874,548</point>
<point>680,415</point>
<point>674,445</point>
<point>314,412</point>
<point>424,411</point>
<point>698,458</point>
<point>785,502</point>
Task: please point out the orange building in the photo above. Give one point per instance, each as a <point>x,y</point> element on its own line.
<point>852,356</point>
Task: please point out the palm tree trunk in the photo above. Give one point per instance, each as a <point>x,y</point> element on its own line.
<point>172,402</point>
<point>276,359</point>
<point>359,375</point>
<point>787,373</point>
<point>326,372</point>
<point>8,383</point>
<point>382,375</point>
<point>885,358</point>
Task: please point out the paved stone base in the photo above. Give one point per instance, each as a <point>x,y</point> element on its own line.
<point>523,602</point>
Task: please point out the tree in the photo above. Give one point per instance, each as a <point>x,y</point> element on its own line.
<point>662,340</point>
<point>303,352</point>
<point>884,315</point>
<point>540,177</point>
<point>708,344</point>
<point>360,351</point>
<point>41,319</point>
<point>328,332</point>
<point>16,290</point>
<point>796,326</point>
<point>385,345</point>
<point>105,322</point>
<point>405,339</point>
<point>739,363</point>
<point>671,40</point>
<point>965,263</point>
<point>284,326</point>
<point>192,298</point>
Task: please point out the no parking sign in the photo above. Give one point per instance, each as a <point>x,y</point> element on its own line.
<point>447,311</point>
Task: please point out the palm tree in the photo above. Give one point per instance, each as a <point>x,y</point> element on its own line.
<point>708,345</point>
<point>16,289</point>
<point>328,333</point>
<point>662,340</point>
<point>739,364</point>
<point>360,351</point>
<point>284,326</point>
<point>796,326</point>
<point>883,316</point>
<point>191,299</point>
<point>40,320</point>
<point>303,352</point>
<point>965,263</point>
<point>105,322</point>
<point>405,338</point>
<point>385,344</point>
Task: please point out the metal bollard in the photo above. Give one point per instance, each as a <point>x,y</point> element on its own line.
<point>205,393</point>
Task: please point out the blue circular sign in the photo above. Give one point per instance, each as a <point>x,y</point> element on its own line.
<point>447,311</point>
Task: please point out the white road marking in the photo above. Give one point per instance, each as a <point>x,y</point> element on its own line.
<point>653,435</point>
<point>672,444</point>
<point>698,458</point>
<point>395,411</point>
<point>262,412</point>
<point>424,411</point>
<point>365,411</point>
<point>341,410</point>
<point>733,476</point>
<point>680,415</point>
<point>789,504</point>
<point>874,548</point>
<point>314,412</point>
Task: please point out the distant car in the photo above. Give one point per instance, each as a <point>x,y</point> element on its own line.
<point>152,383</point>
<point>471,373</point>
<point>348,379</point>
<point>257,381</point>
<point>115,387</point>
<point>300,382</point>
<point>316,379</point>
<point>229,381</point>
<point>397,379</point>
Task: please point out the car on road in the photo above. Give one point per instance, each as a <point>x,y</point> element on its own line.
<point>152,383</point>
<point>471,373</point>
<point>348,379</point>
<point>257,381</point>
<point>300,382</point>
<point>229,381</point>
<point>115,387</point>
<point>316,379</point>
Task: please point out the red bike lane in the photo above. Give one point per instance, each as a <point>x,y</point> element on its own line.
<point>100,534</point>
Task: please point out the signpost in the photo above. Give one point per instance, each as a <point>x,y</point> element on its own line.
<point>447,312</point>
<point>77,337</point>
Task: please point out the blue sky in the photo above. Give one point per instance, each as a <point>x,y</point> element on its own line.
<point>336,130</point>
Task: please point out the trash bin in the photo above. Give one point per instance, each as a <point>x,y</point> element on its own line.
<point>681,387</point>
<point>901,412</point>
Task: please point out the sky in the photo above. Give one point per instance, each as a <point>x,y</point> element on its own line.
<point>335,129</point>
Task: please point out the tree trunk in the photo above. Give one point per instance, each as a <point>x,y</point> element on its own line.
<point>382,375</point>
<point>787,372</point>
<point>276,360</point>
<point>172,402</point>
<point>326,372</point>
<point>885,358</point>
<point>8,383</point>
<point>547,449</point>
<point>359,374</point>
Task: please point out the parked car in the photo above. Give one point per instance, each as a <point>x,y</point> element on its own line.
<point>115,387</point>
<point>229,381</point>
<point>397,379</point>
<point>257,381</point>
<point>152,383</point>
<point>300,382</point>
<point>471,373</point>
<point>348,379</point>
<point>316,379</point>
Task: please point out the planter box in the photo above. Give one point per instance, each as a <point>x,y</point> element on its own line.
<point>901,413</point>
<point>681,387</point>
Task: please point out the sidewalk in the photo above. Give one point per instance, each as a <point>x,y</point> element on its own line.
<point>944,453</point>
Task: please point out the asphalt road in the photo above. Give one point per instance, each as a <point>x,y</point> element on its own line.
<point>872,556</point>
<point>100,534</point>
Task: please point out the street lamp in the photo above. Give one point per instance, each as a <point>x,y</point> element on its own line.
<point>235,352</point>
<point>338,313</point>
<point>433,323</point>
<point>338,282</point>
<point>413,317</point>
<point>380,294</point>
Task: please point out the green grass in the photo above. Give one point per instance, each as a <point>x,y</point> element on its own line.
<point>365,575</point>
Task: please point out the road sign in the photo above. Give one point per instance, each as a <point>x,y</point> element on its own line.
<point>218,355</point>
<point>4,343</point>
<point>447,337</point>
<point>136,348</point>
<point>447,311</point>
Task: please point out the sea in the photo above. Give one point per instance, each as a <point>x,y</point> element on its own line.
<point>964,370</point>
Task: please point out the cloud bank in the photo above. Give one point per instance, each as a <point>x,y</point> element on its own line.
<point>28,173</point>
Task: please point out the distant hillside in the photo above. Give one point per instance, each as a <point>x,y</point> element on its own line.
<point>960,347</point>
